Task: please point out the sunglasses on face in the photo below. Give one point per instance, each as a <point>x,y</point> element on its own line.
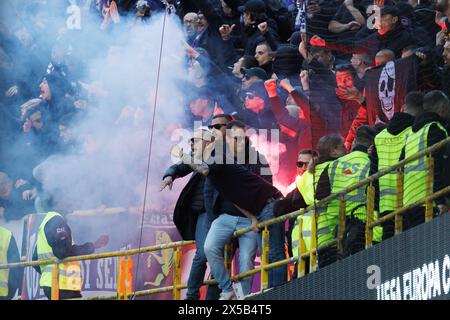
<point>301,164</point>
<point>216,126</point>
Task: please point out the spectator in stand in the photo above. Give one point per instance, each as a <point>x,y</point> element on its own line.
<point>16,198</point>
<point>361,63</point>
<point>190,23</point>
<point>210,37</point>
<point>425,14</point>
<point>245,62</point>
<point>318,16</point>
<point>55,90</point>
<point>444,72</point>
<point>349,18</point>
<point>231,16</point>
<point>391,35</point>
<point>257,26</point>
<point>384,56</point>
<point>190,215</point>
<point>256,111</point>
<point>293,118</point>
<point>345,91</point>
<point>264,56</point>
<point>288,64</point>
<point>254,198</point>
<point>408,21</point>
<point>325,107</point>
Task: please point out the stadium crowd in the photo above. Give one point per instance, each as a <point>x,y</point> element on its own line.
<point>351,86</point>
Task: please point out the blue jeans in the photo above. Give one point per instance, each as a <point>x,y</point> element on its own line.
<point>220,233</point>
<point>278,275</point>
<point>198,268</point>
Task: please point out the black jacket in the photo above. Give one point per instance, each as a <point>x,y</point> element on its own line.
<point>222,53</point>
<point>211,193</point>
<point>183,217</point>
<point>394,40</point>
<point>252,37</point>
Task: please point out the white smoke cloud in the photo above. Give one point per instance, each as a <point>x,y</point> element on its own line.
<point>113,172</point>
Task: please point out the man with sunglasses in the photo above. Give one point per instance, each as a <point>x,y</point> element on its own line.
<point>247,198</point>
<point>192,215</point>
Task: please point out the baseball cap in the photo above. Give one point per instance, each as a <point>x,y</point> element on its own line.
<point>257,6</point>
<point>255,71</point>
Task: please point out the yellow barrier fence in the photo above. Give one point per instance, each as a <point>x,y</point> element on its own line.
<point>265,266</point>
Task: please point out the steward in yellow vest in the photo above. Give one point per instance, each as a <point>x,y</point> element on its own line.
<point>54,240</point>
<point>339,175</point>
<point>304,157</point>
<point>427,130</point>
<point>386,152</point>
<point>10,279</point>
<point>329,148</point>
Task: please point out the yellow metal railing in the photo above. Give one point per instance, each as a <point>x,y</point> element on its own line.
<point>303,253</point>
<point>370,224</point>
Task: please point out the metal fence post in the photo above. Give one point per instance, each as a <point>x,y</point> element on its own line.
<point>265,259</point>
<point>120,279</point>
<point>369,219</point>
<point>55,282</point>
<point>399,218</point>
<point>341,226</point>
<point>301,247</point>
<point>313,244</point>
<point>129,277</point>
<point>177,274</point>
<point>429,190</point>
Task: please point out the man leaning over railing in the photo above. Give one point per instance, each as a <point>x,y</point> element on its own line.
<point>255,198</point>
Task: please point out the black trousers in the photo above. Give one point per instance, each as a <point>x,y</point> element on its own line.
<point>411,218</point>
<point>325,257</point>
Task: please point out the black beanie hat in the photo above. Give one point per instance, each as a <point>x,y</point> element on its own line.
<point>287,61</point>
<point>233,4</point>
<point>59,85</point>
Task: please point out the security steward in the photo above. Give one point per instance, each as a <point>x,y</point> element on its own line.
<point>10,279</point>
<point>337,176</point>
<point>427,130</point>
<point>386,152</point>
<point>54,240</point>
<point>329,148</point>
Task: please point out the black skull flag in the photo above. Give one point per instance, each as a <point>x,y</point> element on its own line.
<point>387,86</point>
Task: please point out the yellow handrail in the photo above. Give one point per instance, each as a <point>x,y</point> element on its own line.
<point>311,253</point>
<point>98,255</point>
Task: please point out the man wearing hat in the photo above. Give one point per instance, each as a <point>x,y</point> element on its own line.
<point>257,26</point>
<point>391,35</point>
<point>337,176</point>
<point>252,76</point>
<point>256,111</point>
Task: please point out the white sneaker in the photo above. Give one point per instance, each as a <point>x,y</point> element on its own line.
<point>229,295</point>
